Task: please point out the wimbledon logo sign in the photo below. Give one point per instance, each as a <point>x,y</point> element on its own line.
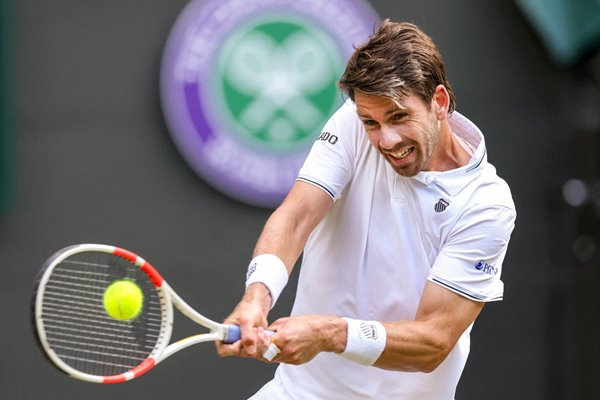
<point>246,87</point>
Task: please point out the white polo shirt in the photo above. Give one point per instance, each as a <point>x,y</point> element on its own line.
<point>385,236</point>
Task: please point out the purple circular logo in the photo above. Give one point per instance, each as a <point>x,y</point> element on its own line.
<point>247,85</point>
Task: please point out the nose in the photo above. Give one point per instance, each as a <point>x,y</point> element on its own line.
<point>390,137</point>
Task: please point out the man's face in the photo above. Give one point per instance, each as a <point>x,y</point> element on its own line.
<point>405,133</point>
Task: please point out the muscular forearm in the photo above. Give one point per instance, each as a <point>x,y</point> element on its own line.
<point>424,343</point>
<point>415,346</point>
<point>410,346</point>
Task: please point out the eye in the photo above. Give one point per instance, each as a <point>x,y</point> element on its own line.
<point>369,123</point>
<point>398,116</point>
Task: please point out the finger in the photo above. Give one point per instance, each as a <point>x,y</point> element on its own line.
<point>227,350</point>
<point>249,340</point>
<point>271,352</point>
<point>263,340</point>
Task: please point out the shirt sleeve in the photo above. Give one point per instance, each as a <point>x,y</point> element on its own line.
<point>470,262</point>
<point>330,163</point>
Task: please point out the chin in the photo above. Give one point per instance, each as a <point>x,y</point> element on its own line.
<point>407,172</point>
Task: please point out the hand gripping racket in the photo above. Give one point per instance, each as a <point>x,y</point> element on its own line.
<point>81,339</point>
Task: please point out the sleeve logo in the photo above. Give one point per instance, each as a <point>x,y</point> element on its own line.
<point>486,268</point>
<point>328,137</point>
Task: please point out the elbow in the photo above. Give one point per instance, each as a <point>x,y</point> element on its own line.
<point>431,365</point>
<point>435,358</point>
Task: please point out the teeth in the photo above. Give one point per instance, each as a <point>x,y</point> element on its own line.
<point>401,155</point>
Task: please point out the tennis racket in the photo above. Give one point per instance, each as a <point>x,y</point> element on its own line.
<point>81,339</point>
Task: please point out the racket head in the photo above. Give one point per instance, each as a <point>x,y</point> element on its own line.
<point>73,328</point>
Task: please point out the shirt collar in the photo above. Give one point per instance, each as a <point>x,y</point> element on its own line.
<point>453,181</point>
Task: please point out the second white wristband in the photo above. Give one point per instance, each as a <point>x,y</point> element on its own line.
<point>365,342</point>
<point>269,270</point>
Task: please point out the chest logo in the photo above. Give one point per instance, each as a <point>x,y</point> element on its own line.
<point>441,206</point>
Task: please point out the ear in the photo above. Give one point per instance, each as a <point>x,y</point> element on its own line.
<point>441,102</point>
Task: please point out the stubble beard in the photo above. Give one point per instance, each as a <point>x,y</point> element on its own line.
<point>423,153</point>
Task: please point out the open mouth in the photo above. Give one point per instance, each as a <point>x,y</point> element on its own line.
<point>399,155</point>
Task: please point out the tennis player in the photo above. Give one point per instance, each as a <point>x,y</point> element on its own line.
<point>404,226</point>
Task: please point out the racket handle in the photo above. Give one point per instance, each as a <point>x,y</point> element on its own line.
<point>233,334</point>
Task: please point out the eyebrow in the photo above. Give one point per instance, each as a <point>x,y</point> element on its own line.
<point>394,110</point>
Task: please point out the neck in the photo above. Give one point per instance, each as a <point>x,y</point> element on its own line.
<point>448,154</point>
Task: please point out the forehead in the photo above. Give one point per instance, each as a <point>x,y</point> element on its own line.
<point>369,103</point>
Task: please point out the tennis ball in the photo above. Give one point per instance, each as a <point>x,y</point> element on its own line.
<point>123,300</point>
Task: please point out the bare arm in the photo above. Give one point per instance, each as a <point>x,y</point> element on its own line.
<point>423,344</point>
<point>418,345</point>
<point>284,235</point>
<point>288,228</point>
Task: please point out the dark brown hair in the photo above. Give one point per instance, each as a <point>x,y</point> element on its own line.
<point>399,59</point>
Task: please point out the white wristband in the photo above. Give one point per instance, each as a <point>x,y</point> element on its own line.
<point>366,341</point>
<point>269,270</point>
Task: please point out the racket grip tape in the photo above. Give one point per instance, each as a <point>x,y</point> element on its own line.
<point>233,334</point>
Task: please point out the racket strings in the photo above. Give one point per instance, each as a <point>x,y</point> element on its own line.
<point>79,330</point>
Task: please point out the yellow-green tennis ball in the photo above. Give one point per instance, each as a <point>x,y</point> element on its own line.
<point>123,300</point>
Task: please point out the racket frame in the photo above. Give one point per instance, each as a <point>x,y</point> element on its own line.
<point>163,348</point>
